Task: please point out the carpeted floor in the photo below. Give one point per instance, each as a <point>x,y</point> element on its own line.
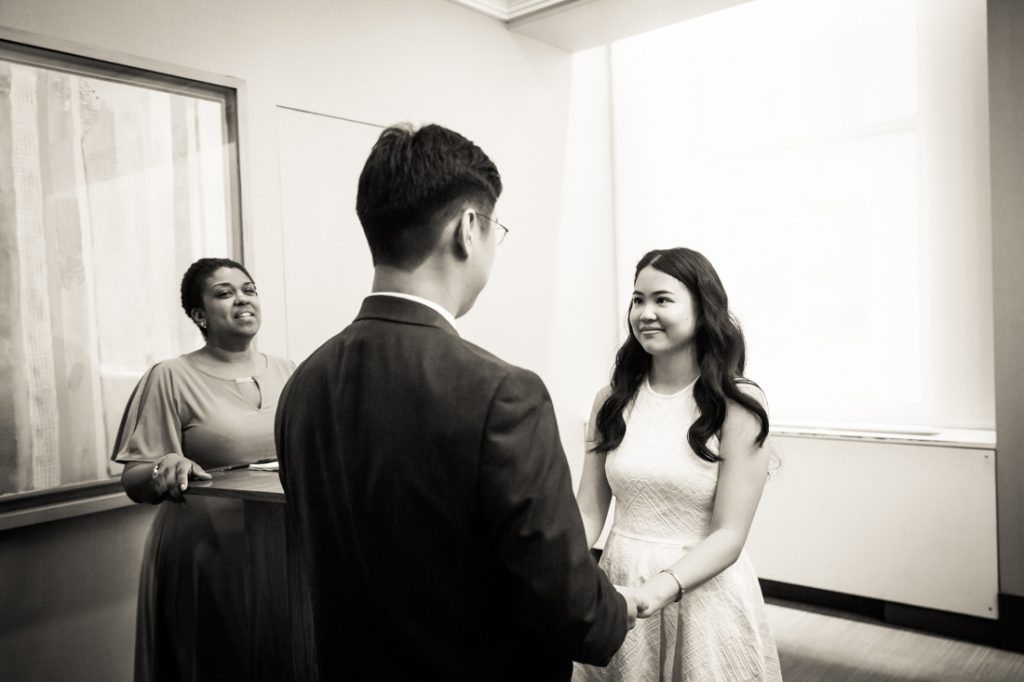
<point>816,645</point>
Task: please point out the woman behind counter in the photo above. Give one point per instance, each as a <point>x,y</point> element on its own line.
<point>209,408</point>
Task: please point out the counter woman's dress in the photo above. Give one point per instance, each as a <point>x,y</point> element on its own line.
<point>664,496</point>
<point>191,612</point>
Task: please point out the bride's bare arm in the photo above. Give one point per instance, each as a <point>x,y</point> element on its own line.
<point>594,495</point>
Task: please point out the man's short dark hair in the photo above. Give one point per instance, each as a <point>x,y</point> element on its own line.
<point>413,182</point>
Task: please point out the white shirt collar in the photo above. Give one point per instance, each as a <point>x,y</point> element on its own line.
<point>419,299</point>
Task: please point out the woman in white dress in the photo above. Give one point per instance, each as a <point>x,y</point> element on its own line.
<point>679,439</point>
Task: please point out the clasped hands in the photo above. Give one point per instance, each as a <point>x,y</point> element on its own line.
<point>647,599</point>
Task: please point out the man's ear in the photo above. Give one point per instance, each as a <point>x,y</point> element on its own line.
<point>462,236</point>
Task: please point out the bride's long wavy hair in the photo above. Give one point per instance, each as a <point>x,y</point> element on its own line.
<point>721,356</point>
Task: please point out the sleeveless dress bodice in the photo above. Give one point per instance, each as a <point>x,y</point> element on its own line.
<point>663,490</point>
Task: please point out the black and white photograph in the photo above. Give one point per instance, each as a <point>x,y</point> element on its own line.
<point>512,340</point>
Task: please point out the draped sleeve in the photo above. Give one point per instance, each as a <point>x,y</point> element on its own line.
<point>151,424</point>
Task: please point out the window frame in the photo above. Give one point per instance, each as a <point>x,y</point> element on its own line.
<point>37,506</point>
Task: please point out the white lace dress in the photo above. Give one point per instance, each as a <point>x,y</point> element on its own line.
<point>664,498</point>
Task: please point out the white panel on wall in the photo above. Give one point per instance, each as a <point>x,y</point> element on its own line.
<point>903,523</point>
<point>327,266</point>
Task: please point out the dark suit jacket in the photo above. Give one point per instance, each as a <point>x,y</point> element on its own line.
<point>427,483</point>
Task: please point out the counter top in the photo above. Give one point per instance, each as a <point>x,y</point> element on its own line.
<point>240,484</point>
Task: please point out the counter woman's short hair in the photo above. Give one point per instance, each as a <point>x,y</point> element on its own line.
<point>195,279</point>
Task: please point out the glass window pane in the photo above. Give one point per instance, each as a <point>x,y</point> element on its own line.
<point>111,187</point>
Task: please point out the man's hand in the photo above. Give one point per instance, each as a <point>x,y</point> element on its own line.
<point>633,604</point>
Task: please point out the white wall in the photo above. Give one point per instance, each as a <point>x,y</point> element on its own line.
<point>327,263</point>
<point>866,518</point>
<point>1006,73</point>
<point>565,328</point>
<point>540,113</point>
<point>831,160</point>
<point>386,61</point>
<point>583,329</point>
<point>380,61</point>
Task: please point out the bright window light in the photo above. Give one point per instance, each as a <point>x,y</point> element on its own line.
<point>831,160</point>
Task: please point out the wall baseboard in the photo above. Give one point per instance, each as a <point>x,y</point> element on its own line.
<point>839,601</point>
<point>1005,633</point>
<point>1011,622</point>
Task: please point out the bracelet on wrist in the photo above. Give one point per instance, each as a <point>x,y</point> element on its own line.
<point>679,583</point>
<point>156,468</point>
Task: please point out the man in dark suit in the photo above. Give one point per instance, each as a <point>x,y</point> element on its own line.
<point>425,478</point>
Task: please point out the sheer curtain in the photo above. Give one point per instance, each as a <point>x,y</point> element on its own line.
<point>108,191</point>
<point>831,160</point>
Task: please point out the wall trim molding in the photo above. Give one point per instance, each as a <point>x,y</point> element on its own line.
<point>492,8</point>
<point>510,10</point>
<point>971,439</point>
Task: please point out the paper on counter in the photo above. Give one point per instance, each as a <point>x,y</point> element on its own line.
<point>264,466</point>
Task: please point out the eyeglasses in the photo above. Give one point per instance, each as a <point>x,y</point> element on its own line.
<point>504,230</point>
